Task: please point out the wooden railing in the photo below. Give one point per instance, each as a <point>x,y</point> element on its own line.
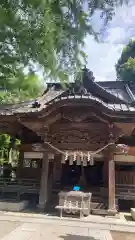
<point>24,181</point>
<point>125,177</point>
<point>19,186</point>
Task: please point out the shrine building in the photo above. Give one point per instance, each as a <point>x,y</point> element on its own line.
<point>82,135</point>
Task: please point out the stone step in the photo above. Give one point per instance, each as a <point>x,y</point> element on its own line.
<point>99,208</point>
<point>99,211</point>
<point>95,205</point>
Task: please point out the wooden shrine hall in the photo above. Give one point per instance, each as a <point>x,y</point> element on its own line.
<point>82,135</point>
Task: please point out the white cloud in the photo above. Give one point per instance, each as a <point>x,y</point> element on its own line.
<point>103,56</point>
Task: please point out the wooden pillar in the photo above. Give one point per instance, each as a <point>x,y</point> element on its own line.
<point>58,167</point>
<point>82,180</point>
<point>105,172</point>
<point>111,184</point>
<point>20,165</point>
<point>44,182</point>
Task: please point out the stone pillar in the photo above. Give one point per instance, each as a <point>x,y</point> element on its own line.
<point>111,184</point>
<point>44,182</point>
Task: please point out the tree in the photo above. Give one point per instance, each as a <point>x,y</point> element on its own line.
<point>8,154</point>
<point>49,34</point>
<point>125,66</point>
<point>21,88</point>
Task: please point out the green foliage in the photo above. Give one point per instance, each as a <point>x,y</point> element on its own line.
<point>125,66</point>
<point>127,70</point>
<point>5,146</point>
<point>49,34</point>
<point>21,88</point>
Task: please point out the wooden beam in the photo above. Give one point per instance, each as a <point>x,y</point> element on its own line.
<point>34,125</point>
<point>52,119</point>
<point>78,146</point>
<point>85,126</point>
<point>126,128</point>
<point>131,151</point>
<point>121,158</point>
<point>37,147</point>
<point>99,117</point>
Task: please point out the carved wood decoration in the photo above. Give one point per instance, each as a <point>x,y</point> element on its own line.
<point>73,128</point>
<point>81,114</point>
<point>84,130</point>
<point>75,115</point>
<point>79,136</point>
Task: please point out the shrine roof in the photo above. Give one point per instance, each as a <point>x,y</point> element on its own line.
<point>113,95</point>
<point>108,91</point>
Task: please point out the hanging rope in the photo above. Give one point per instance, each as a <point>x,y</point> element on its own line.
<point>89,154</point>
<point>53,147</point>
<point>79,152</point>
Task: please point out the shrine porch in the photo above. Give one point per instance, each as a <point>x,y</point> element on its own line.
<point>23,188</point>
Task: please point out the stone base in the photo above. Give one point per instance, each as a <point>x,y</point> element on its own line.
<point>112,212</point>
<point>13,206</point>
<point>132,210</point>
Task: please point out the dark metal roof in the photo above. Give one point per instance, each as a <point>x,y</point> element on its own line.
<point>120,93</point>
<point>119,89</point>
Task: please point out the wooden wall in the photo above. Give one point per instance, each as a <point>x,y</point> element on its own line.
<point>29,172</point>
<point>125,177</point>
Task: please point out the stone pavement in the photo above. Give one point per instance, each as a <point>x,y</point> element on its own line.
<point>28,231</point>
<point>7,227</point>
<point>22,226</point>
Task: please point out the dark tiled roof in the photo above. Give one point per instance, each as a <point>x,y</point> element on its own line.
<point>53,96</point>
<point>114,96</point>
<point>111,106</point>
<point>27,107</point>
<point>113,92</point>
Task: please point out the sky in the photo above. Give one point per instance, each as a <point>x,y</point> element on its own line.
<point>103,56</point>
